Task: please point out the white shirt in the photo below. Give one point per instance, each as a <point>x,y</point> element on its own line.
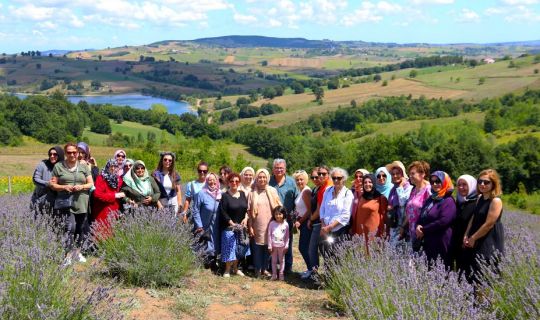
<point>338,209</point>
<point>300,205</point>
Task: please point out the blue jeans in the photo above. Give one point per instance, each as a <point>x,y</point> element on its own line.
<point>313,248</point>
<point>288,255</point>
<point>303,244</point>
<point>260,257</point>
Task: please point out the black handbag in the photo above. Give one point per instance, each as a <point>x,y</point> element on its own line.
<point>65,200</point>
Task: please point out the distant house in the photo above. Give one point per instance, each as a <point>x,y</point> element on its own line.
<point>489,60</point>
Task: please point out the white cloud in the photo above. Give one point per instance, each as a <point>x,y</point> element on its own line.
<point>31,12</point>
<point>523,14</point>
<point>389,7</point>
<point>468,15</point>
<point>274,23</point>
<point>366,13</point>
<point>244,19</point>
<point>520,2</point>
<point>420,2</point>
<point>495,11</point>
<point>47,25</point>
<point>37,33</point>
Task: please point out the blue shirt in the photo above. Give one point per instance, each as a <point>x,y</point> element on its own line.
<point>287,192</point>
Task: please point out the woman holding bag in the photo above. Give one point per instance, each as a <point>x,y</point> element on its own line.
<point>73,182</point>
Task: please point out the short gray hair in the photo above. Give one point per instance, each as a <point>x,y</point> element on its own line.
<point>340,170</point>
<point>278,161</point>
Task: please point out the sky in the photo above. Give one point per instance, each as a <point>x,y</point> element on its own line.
<point>83,24</point>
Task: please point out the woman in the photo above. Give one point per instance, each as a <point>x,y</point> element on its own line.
<point>107,197</point>
<point>335,211</point>
<point>233,219</point>
<point>120,157</point>
<point>399,195</point>
<point>434,227</point>
<point>357,189</point>
<point>485,234</point>
<point>224,172</point>
<point>384,182</point>
<point>169,182</point>
<point>193,187</point>
<point>314,223</point>
<point>302,214</point>
<point>205,218</point>
<point>246,179</point>
<point>466,202</point>
<point>42,200</point>
<point>140,189</point>
<point>261,201</point>
<point>128,164</point>
<point>368,218</point>
<point>86,159</point>
<point>418,170</point>
<point>73,181</point>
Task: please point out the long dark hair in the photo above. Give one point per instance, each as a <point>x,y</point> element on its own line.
<point>172,171</point>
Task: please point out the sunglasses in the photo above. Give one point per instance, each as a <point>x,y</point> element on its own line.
<point>72,152</point>
<point>337,178</point>
<point>435,181</point>
<point>484,182</point>
<point>202,171</point>
<point>53,154</point>
<point>234,181</point>
<point>167,160</point>
<point>322,174</point>
<point>139,168</point>
<point>120,155</point>
<point>314,177</point>
<point>381,176</point>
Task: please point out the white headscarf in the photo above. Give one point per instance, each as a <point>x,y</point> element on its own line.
<point>471,182</point>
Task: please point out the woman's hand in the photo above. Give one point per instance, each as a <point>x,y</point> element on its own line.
<point>419,232</point>
<point>251,232</point>
<point>119,195</point>
<point>309,223</point>
<point>297,224</point>
<point>469,242</point>
<point>199,230</point>
<point>148,200</point>
<point>324,231</point>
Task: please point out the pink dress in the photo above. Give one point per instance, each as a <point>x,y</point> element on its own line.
<point>414,206</point>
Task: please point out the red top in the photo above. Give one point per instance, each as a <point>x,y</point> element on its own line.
<point>104,200</point>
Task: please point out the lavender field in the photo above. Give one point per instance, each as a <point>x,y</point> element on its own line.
<point>387,284</point>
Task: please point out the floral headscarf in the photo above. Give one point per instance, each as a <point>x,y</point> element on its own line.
<point>214,192</point>
<point>140,184</point>
<point>120,171</point>
<point>111,178</point>
<point>447,185</point>
<point>471,182</point>
<point>385,188</point>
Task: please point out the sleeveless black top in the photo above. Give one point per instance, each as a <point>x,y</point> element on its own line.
<point>494,240</point>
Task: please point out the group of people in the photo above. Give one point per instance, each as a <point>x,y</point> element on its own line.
<point>248,219</point>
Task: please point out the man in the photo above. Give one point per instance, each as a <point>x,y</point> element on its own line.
<point>286,188</point>
<point>193,187</point>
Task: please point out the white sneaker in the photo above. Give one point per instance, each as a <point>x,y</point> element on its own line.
<point>81,258</point>
<point>226,275</point>
<point>67,261</point>
<point>240,273</point>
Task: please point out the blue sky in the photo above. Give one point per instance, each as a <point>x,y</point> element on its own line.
<point>78,24</point>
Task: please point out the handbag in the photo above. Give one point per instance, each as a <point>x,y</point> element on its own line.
<point>65,200</point>
<point>206,235</point>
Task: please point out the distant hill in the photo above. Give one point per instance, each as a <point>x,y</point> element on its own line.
<point>270,42</point>
<point>55,52</point>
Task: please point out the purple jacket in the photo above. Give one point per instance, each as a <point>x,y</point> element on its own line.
<point>436,219</point>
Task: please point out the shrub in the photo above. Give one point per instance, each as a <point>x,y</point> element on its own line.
<point>390,284</point>
<point>149,248</point>
<point>33,284</point>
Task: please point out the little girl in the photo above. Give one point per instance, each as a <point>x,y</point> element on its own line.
<point>278,241</point>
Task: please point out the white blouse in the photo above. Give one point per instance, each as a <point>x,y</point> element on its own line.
<point>338,209</point>
<point>300,205</point>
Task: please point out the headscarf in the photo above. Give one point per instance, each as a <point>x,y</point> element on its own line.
<point>364,171</point>
<point>216,191</point>
<point>59,156</point>
<point>471,182</point>
<point>374,193</point>
<point>384,189</point>
<point>273,196</point>
<point>140,184</point>
<point>111,178</point>
<point>447,185</point>
<point>246,169</point>
<point>86,148</point>
<point>397,164</point>
<point>129,161</point>
<point>120,171</point>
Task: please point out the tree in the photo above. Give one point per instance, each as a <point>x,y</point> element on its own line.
<point>242,101</point>
<point>297,87</point>
<point>269,93</point>
<point>333,84</point>
<point>99,57</point>
<point>385,83</point>
<point>378,77</point>
<point>413,74</point>
<point>318,92</point>
<point>228,115</point>
<point>100,123</point>
<point>159,108</point>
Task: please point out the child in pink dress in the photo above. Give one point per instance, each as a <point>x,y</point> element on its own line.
<point>278,241</point>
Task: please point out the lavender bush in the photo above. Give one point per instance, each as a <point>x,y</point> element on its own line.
<point>390,284</point>
<point>149,248</point>
<point>33,284</point>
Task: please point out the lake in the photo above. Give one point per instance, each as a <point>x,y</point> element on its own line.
<point>134,100</point>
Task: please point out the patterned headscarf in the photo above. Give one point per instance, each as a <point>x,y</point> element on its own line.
<point>140,184</point>
<point>447,185</point>
<point>120,171</point>
<point>471,182</point>
<point>215,192</point>
<point>111,178</point>
<point>385,188</point>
